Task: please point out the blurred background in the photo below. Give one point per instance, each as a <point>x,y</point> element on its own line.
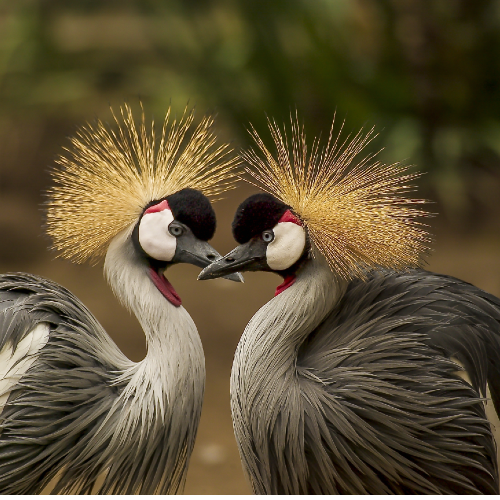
<point>425,73</point>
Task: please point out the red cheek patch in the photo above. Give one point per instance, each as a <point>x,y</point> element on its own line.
<point>163,205</point>
<point>289,217</point>
<point>289,281</point>
<point>165,287</point>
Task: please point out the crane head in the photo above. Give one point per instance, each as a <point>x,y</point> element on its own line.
<point>110,176</point>
<point>174,230</point>
<point>271,239</point>
<point>355,208</point>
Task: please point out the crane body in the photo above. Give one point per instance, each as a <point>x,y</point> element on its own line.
<point>73,408</point>
<point>356,392</point>
<point>83,409</point>
<point>365,374</point>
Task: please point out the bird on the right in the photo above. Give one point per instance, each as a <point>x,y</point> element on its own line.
<point>365,374</point>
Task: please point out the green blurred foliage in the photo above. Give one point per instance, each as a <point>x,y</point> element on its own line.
<point>426,73</point>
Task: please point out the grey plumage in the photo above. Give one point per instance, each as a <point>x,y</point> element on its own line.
<point>354,378</point>
<point>82,408</point>
<point>72,406</point>
<point>68,420</point>
<point>349,388</point>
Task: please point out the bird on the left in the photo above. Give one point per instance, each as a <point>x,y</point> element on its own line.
<point>73,407</point>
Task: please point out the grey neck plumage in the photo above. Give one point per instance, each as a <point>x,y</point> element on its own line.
<point>263,374</point>
<point>162,395</point>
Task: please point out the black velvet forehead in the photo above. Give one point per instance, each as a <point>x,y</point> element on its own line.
<point>193,209</point>
<point>256,214</point>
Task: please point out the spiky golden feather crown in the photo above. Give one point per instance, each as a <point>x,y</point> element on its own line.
<point>354,211</point>
<point>109,175</point>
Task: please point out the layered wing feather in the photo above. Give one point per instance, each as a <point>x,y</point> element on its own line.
<point>384,410</point>
<point>61,414</point>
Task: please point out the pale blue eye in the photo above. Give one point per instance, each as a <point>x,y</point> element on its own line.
<point>268,236</point>
<point>175,230</point>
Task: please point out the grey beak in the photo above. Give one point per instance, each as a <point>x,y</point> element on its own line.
<point>191,250</point>
<point>250,256</point>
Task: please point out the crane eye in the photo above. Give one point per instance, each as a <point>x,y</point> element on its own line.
<point>175,230</point>
<point>268,236</point>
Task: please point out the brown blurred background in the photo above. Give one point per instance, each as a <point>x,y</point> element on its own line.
<point>425,73</point>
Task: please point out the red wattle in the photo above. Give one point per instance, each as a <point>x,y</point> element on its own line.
<point>289,281</point>
<point>289,217</point>
<point>165,287</point>
<point>159,207</point>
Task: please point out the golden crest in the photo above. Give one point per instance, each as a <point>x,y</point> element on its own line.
<point>354,210</point>
<point>110,174</point>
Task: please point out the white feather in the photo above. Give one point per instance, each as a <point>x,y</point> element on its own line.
<point>15,363</point>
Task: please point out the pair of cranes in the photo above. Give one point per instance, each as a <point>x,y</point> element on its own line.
<point>364,374</point>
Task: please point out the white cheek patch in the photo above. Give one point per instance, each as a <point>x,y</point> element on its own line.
<point>287,247</point>
<point>154,237</point>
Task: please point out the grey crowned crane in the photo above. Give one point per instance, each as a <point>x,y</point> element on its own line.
<point>365,374</point>
<point>73,407</point>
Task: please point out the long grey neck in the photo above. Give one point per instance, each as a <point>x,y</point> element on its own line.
<point>161,396</point>
<point>273,336</point>
<point>263,378</point>
<point>175,361</point>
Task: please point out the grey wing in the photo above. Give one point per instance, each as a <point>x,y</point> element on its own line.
<point>63,396</point>
<point>459,320</point>
<point>468,328</point>
<point>384,410</point>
